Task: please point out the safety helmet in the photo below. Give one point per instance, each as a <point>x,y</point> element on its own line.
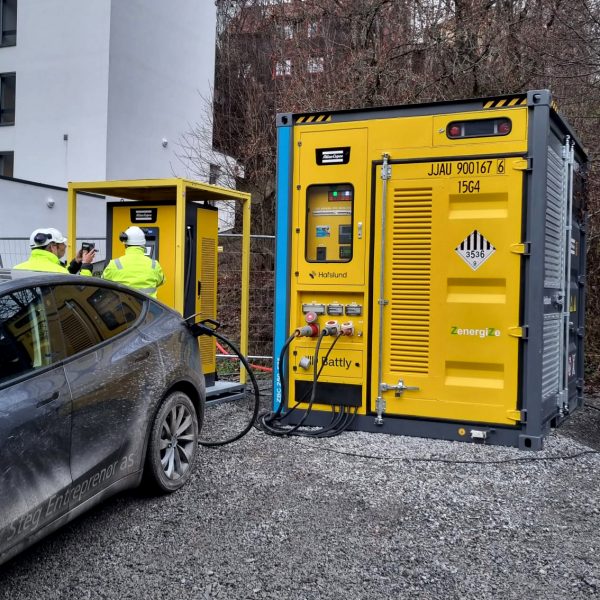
<point>133,236</point>
<point>40,238</point>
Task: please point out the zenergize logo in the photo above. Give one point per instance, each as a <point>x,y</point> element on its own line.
<point>470,332</point>
<point>333,156</point>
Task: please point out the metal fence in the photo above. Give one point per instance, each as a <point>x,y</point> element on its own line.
<point>14,250</point>
<point>262,281</point>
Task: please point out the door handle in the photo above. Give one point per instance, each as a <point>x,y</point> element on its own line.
<point>142,357</point>
<point>48,400</point>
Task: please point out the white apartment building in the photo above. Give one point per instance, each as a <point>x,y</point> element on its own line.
<point>101,89</point>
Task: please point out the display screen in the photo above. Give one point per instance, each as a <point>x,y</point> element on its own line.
<point>329,222</point>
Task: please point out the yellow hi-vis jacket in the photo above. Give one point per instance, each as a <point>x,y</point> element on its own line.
<point>42,260</point>
<point>136,270</point>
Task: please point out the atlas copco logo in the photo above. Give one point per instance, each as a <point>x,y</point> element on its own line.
<point>327,275</point>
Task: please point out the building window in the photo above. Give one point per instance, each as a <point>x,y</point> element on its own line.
<point>213,174</point>
<point>313,29</point>
<point>7,164</point>
<point>288,32</point>
<point>8,22</point>
<point>245,69</point>
<point>283,67</point>
<point>7,98</point>
<point>315,65</point>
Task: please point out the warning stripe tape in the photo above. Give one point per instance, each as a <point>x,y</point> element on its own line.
<point>503,102</point>
<point>323,118</point>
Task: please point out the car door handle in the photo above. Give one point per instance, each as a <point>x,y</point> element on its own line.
<point>142,357</point>
<point>49,399</point>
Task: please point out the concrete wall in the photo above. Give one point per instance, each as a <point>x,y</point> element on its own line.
<point>24,206</point>
<point>61,65</point>
<point>161,63</point>
<point>115,76</point>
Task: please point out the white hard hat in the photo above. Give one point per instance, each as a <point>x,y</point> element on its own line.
<point>40,238</point>
<point>133,236</point>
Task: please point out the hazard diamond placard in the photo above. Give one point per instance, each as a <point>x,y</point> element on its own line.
<point>475,249</point>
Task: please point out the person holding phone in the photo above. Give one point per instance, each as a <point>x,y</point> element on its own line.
<point>48,247</point>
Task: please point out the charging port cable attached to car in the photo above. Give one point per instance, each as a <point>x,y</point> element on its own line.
<point>209,327</point>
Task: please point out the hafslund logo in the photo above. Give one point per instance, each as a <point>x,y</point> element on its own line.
<point>327,275</point>
<point>470,332</point>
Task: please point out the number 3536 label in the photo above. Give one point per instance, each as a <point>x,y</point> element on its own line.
<point>475,249</point>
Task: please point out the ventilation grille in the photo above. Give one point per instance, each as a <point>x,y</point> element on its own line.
<point>77,336</point>
<point>554,245</point>
<point>208,297</point>
<point>410,280</point>
<point>551,355</point>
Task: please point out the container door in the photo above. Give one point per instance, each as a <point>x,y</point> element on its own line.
<point>451,289</point>
<point>330,200</point>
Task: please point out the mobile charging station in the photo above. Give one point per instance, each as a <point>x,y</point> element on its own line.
<point>436,253</point>
<point>180,222</point>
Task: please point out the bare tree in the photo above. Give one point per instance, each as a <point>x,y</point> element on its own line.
<point>306,55</point>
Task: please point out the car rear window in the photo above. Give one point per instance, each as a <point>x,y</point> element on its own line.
<point>92,314</point>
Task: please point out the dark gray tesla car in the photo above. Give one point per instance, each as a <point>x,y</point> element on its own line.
<point>100,387</point>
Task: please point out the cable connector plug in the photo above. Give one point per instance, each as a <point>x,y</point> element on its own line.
<point>331,328</point>
<point>311,330</point>
<point>347,328</point>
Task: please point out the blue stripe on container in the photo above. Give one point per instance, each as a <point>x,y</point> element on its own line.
<point>282,251</point>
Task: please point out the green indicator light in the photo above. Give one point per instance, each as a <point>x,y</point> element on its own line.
<point>335,194</point>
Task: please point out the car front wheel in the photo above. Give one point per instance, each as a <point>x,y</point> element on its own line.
<point>173,444</point>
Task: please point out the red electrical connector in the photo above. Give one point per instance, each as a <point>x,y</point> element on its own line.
<point>310,330</point>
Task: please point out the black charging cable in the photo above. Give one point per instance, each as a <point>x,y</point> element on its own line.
<point>203,328</point>
<point>271,422</point>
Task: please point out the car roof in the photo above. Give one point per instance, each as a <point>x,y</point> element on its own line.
<point>14,279</point>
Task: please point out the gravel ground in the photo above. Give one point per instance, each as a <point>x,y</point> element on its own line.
<point>359,516</point>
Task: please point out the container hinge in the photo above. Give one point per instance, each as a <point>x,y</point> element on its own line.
<point>521,248</point>
<point>386,171</point>
<point>380,406</point>
<point>581,280</point>
<point>580,332</point>
<point>519,416</point>
<point>520,332</point>
<point>399,388</point>
<point>523,164</point>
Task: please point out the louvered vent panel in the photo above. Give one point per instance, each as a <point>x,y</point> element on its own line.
<point>208,297</point>
<point>554,233</point>
<point>410,280</point>
<point>77,336</point>
<point>551,355</point>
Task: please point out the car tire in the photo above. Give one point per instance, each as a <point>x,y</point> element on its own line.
<point>173,444</point>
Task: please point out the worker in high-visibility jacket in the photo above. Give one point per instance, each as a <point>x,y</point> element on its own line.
<point>48,247</point>
<point>135,269</point>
